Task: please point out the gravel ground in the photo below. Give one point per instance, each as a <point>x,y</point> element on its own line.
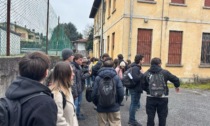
<point>187,108</point>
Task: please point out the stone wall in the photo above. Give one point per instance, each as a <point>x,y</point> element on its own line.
<point>9,71</point>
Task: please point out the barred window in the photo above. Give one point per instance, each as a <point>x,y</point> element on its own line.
<point>205,51</point>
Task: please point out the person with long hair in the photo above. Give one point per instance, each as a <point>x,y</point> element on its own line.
<point>61,88</point>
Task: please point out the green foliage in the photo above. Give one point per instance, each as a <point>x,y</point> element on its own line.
<point>90,33</point>
<point>25,44</point>
<point>59,39</point>
<point>63,35</point>
<point>71,31</point>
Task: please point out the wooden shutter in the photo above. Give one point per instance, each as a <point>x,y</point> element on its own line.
<point>144,44</point>
<point>177,1</point>
<point>108,44</point>
<point>175,47</point>
<point>205,52</point>
<point>113,44</point>
<point>207,3</point>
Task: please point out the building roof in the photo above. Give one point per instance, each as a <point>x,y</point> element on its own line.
<point>5,29</point>
<point>95,7</point>
<point>18,26</point>
<point>81,41</point>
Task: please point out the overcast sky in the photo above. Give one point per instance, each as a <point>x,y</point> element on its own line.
<point>75,11</point>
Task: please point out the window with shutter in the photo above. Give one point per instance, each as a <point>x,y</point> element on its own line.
<point>175,47</point>
<point>177,1</point>
<point>207,3</point>
<point>144,44</point>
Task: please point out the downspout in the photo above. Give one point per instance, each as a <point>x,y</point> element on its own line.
<point>101,38</point>
<point>130,31</point>
<point>161,33</point>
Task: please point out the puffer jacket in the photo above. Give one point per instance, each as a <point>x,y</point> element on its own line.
<point>119,89</point>
<point>167,77</point>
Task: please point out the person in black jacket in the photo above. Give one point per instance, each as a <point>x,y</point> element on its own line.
<point>136,91</point>
<point>40,110</point>
<point>159,104</point>
<point>78,84</point>
<point>108,115</point>
<point>99,64</point>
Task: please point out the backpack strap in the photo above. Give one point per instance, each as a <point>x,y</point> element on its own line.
<point>25,99</point>
<point>64,98</point>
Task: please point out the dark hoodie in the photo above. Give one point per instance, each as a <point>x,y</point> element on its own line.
<point>167,77</point>
<point>80,76</point>
<point>119,89</point>
<point>38,111</point>
<point>137,76</point>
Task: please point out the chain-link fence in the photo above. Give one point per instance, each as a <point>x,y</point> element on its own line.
<point>28,28</point>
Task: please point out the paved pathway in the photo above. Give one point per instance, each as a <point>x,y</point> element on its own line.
<point>187,108</point>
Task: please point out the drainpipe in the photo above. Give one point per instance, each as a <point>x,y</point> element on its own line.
<point>130,31</point>
<point>161,33</point>
<point>101,38</point>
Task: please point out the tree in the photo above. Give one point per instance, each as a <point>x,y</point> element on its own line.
<point>88,32</point>
<point>63,35</point>
<point>71,32</point>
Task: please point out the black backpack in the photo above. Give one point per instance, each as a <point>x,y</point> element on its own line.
<point>10,110</point>
<point>127,79</point>
<point>157,86</point>
<point>106,92</point>
<point>88,93</point>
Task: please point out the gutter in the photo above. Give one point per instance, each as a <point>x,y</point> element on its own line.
<point>161,33</point>
<point>130,31</point>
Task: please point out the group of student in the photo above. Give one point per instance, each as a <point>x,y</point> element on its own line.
<point>153,81</point>
<point>63,92</point>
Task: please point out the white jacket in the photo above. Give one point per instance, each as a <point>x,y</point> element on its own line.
<point>66,116</point>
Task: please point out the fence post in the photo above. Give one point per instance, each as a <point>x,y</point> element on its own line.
<point>48,2</point>
<point>8,27</point>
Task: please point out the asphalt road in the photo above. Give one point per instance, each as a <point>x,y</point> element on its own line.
<point>187,108</point>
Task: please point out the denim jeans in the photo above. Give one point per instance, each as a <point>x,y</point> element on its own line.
<point>77,103</point>
<point>135,101</point>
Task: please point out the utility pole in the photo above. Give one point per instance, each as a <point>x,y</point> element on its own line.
<point>48,3</point>
<point>8,27</point>
<point>57,35</point>
<point>101,38</point>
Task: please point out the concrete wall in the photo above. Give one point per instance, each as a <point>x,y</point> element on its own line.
<point>9,71</point>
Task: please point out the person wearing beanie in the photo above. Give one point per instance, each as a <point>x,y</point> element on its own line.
<point>67,55</point>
